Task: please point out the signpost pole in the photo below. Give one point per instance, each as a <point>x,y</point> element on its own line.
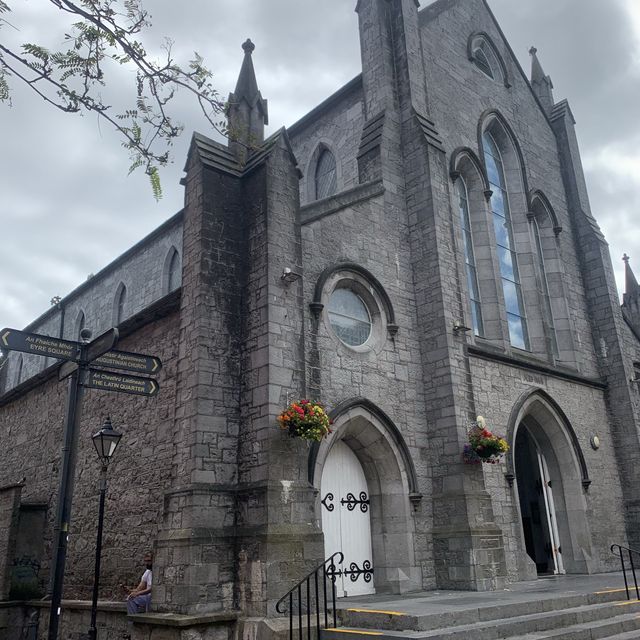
<point>63,516</point>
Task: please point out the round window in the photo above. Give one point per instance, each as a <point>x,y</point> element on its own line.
<point>349,317</point>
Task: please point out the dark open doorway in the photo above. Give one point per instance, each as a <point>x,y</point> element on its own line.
<point>537,509</point>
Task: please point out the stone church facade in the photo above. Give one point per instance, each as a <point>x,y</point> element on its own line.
<point>416,251</point>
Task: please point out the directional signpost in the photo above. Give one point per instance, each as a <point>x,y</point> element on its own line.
<point>78,356</point>
<point>107,381</point>
<point>136,362</point>
<point>14,340</point>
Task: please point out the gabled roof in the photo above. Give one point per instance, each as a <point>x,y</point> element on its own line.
<point>214,155</point>
<point>432,11</point>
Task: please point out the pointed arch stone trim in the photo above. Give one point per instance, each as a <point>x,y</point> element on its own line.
<point>392,431</point>
<point>487,116</point>
<point>485,36</point>
<point>316,304</point>
<point>454,161</point>
<point>563,422</point>
<point>166,269</point>
<point>322,145</point>
<point>537,194</point>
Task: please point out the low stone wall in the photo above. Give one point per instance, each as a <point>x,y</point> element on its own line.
<point>29,620</point>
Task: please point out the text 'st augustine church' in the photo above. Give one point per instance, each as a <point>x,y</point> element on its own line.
<point>441,262</point>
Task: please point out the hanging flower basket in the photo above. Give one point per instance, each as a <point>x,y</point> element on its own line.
<point>305,419</point>
<point>483,445</point>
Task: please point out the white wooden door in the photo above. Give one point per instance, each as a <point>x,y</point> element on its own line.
<point>345,520</point>
<point>547,491</point>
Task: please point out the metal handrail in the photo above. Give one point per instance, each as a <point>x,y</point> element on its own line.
<point>328,570</point>
<point>620,554</point>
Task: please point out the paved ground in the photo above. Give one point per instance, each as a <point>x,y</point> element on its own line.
<point>427,602</point>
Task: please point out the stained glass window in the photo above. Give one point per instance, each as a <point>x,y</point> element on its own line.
<point>469,258</point>
<point>349,317</point>
<point>507,257</point>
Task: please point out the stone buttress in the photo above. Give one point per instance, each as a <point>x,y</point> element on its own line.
<point>606,317</point>
<point>238,522</point>
<point>401,145</point>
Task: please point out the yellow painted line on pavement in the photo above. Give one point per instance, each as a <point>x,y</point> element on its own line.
<point>627,602</point>
<point>389,613</point>
<point>361,633</point>
<point>597,593</point>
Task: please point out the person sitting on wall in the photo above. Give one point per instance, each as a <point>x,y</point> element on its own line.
<point>139,599</point>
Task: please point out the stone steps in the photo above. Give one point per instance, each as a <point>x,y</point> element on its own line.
<point>566,617</point>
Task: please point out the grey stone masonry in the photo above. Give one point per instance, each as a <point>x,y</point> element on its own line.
<point>468,548</point>
<point>9,512</point>
<point>607,323</point>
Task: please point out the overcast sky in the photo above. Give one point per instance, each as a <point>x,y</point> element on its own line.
<point>68,207</point>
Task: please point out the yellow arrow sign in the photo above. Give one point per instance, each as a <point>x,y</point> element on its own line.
<point>4,338</point>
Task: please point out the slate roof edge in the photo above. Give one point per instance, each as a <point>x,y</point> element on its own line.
<point>352,85</point>
<point>157,310</point>
<point>167,224</point>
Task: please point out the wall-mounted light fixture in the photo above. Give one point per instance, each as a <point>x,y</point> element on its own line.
<point>288,276</point>
<point>460,327</point>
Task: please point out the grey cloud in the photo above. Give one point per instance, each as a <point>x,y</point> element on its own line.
<point>67,207</point>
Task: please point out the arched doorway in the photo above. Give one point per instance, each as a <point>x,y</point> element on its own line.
<point>345,520</point>
<point>551,477</point>
<point>537,505</point>
<point>388,477</point>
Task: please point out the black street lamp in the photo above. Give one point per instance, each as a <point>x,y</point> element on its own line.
<point>105,441</point>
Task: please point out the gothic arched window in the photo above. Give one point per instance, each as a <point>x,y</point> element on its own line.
<point>120,304</point>
<point>19,370</point>
<point>325,178</point>
<point>485,56</point>
<point>469,256</point>
<point>507,257</point>
<point>80,324</point>
<point>544,285</point>
<point>174,275</point>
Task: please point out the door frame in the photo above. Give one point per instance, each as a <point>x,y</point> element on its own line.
<point>382,452</point>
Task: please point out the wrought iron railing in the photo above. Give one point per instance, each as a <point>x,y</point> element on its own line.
<point>621,552</point>
<point>309,600</point>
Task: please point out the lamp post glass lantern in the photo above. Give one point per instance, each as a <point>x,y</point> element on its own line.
<point>106,442</point>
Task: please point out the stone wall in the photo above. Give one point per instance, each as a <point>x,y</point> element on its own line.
<point>31,427</point>
<point>337,127</point>
<point>584,407</point>
<point>452,79</point>
<point>18,621</point>
<point>390,373</point>
<point>9,514</point>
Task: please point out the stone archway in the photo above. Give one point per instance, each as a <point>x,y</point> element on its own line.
<point>550,479</point>
<point>390,479</point>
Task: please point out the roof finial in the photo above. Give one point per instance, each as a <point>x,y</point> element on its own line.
<point>541,82</point>
<point>248,46</point>
<point>625,258</point>
<point>247,109</point>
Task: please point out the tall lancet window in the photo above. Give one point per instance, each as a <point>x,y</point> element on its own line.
<point>544,283</point>
<point>19,370</point>
<point>121,301</point>
<point>175,273</point>
<point>469,257</point>
<point>507,257</point>
<point>326,181</point>
<point>80,324</point>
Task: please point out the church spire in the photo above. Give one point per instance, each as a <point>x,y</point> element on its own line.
<point>541,82</point>
<point>247,112</point>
